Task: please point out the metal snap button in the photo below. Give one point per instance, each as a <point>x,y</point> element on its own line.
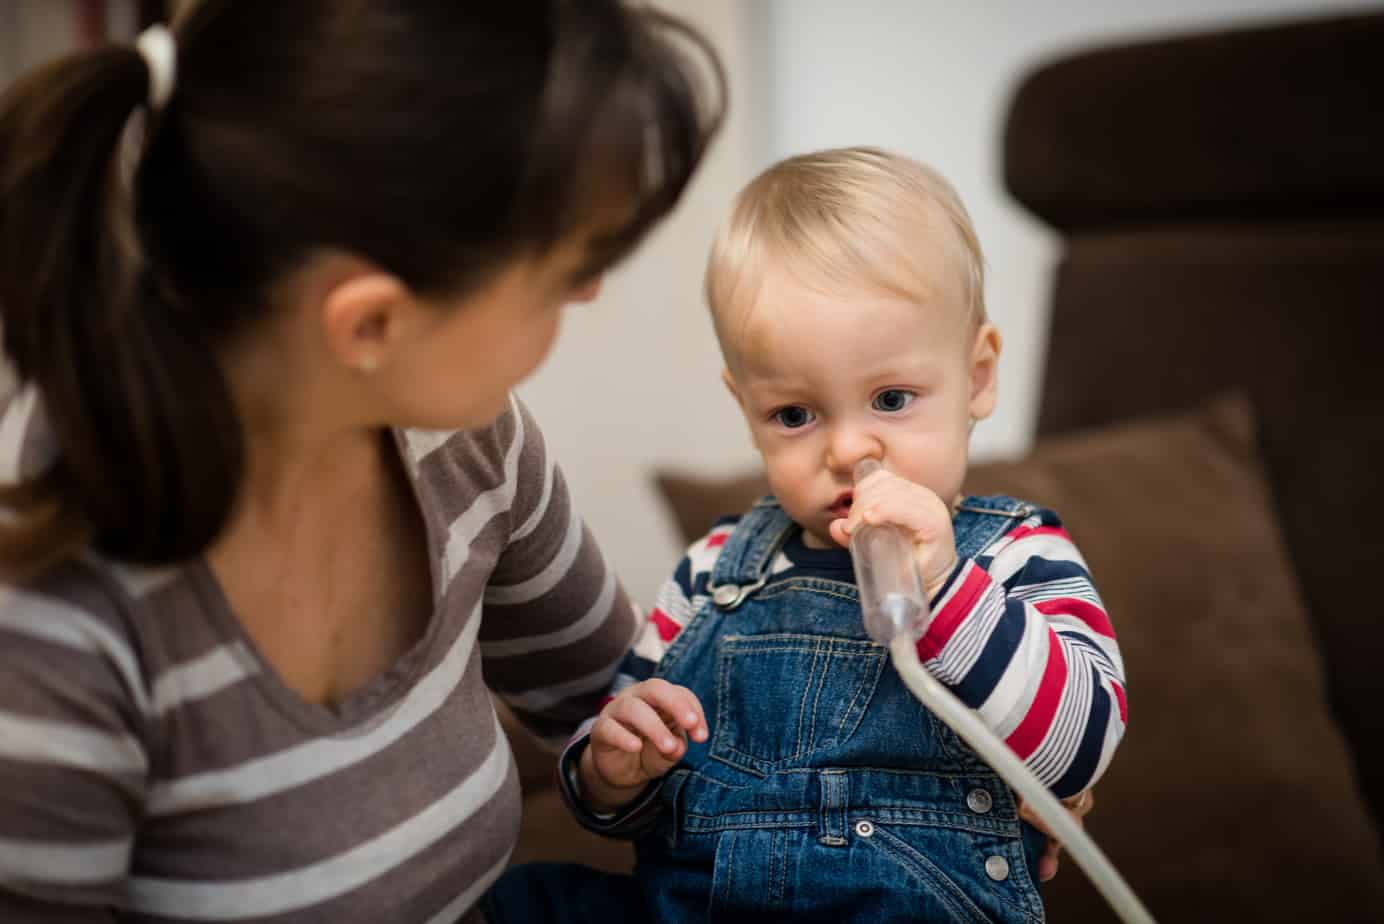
<point>864,828</point>
<point>997,868</point>
<point>725,595</point>
<point>979,801</point>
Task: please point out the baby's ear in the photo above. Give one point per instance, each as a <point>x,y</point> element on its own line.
<point>729,381</point>
<point>985,361</point>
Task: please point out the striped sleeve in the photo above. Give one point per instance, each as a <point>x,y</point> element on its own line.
<point>678,600</point>
<point>556,622</point>
<point>1021,635</point>
<point>74,765</point>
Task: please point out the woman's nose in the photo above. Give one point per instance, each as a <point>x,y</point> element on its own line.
<point>587,291</point>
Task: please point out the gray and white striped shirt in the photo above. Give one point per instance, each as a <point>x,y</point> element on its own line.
<point>153,767</point>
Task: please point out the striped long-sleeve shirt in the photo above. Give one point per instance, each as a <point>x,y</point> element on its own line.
<point>153,767</point>
<point>1018,633</point>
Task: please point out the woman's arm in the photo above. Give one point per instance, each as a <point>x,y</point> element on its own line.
<point>73,763</point>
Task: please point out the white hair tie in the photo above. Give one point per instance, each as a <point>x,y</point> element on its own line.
<point>156,46</point>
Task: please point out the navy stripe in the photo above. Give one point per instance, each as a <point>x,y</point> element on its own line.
<point>637,667</point>
<point>683,576</point>
<point>951,579</point>
<point>1083,640</point>
<point>1083,768</point>
<point>1039,570</point>
<point>994,658</point>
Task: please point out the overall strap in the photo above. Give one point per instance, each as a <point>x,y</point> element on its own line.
<point>979,521</point>
<point>743,565</point>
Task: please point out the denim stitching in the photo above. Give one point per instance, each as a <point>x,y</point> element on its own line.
<point>950,893</point>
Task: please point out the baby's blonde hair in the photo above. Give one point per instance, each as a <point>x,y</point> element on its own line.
<point>853,217</point>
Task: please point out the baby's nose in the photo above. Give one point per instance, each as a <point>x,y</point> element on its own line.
<point>847,445</point>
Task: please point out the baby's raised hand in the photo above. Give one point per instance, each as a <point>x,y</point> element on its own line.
<point>886,498</point>
<point>638,737</point>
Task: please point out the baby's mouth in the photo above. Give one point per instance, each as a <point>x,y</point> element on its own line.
<point>841,507</point>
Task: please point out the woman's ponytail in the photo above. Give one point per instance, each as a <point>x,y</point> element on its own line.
<point>150,446</point>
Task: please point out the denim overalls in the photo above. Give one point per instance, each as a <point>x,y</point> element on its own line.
<point>825,790</point>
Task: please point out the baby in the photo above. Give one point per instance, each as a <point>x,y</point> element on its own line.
<point>758,744</point>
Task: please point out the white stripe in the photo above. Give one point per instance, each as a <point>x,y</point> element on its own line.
<point>459,905</point>
<point>1009,703</point>
<point>484,508</point>
<point>42,741</point>
<point>296,889</point>
<point>138,582</point>
<point>545,580</point>
<point>529,525</point>
<point>53,621</point>
<point>423,443</point>
<point>322,757</point>
<point>567,635</point>
<point>13,428</point>
<point>1114,667</point>
<point>222,667</point>
<point>64,864</point>
<point>544,697</point>
<point>967,643</point>
<point>651,646</point>
<point>1074,587</point>
<point>1014,556</point>
<point>670,599</point>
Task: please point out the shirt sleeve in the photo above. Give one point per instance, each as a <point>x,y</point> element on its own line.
<point>678,601</point>
<point>73,760</point>
<point>556,622</point>
<point>1021,635</point>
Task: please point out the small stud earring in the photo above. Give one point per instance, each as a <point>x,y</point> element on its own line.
<point>368,363</point>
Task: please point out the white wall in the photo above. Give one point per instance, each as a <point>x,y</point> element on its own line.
<point>932,79</point>
<point>633,383</point>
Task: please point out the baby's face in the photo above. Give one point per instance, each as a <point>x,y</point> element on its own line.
<point>827,380</point>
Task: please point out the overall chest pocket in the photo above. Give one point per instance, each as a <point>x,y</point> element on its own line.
<point>782,697</point>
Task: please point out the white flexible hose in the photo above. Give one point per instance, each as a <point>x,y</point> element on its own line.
<point>1006,763</point>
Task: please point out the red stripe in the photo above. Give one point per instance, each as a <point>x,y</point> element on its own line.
<point>1025,739</point>
<point>1023,532</point>
<point>1120,696</point>
<point>716,540</point>
<point>957,608</point>
<point>605,701</point>
<point>1084,610</point>
<point>667,629</point>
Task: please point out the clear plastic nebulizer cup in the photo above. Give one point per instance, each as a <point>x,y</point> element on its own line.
<point>892,599</point>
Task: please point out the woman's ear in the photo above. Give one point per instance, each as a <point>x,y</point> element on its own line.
<point>984,366</point>
<point>363,317</point>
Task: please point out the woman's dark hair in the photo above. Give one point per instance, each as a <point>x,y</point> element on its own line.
<point>439,140</point>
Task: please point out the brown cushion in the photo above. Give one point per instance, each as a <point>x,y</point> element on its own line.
<point>1252,123</point>
<point>1232,795</point>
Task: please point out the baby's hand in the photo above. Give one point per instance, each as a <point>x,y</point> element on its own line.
<point>638,737</point>
<point>884,497</point>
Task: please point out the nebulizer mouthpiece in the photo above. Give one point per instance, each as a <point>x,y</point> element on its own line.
<point>894,607</point>
<point>892,599</point>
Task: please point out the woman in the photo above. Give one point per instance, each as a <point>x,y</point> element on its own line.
<point>271,511</point>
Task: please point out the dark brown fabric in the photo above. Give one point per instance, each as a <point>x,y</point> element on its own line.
<point>1152,320</point>
<point>1232,797</point>
<point>1278,122</point>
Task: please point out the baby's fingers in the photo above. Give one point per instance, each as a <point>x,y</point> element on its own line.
<point>642,719</point>
<point>678,706</point>
<point>607,732</point>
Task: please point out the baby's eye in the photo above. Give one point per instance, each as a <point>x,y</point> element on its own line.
<point>892,400</point>
<point>793,417</point>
